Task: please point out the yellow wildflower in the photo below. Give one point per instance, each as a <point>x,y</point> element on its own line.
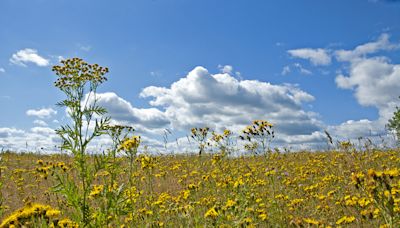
<point>230,203</point>
<point>263,216</point>
<point>311,221</point>
<point>97,190</point>
<point>345,220</point>
<point>211,213</point>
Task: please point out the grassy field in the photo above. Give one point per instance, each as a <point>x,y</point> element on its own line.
<point>302,189</point>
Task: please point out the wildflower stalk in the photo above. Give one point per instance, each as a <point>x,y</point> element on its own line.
<point>1,187</point>
<point>200,136</point>
<point>118,134</point>
<point>79,81</point>
<point>259,133</point>
<point>130,147</point>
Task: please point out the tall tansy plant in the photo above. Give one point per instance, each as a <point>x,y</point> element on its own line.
<point>79,80</point>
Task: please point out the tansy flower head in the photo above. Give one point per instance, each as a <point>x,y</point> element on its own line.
<point>211,213</point>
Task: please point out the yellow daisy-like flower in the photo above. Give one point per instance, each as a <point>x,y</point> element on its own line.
<point>67,223</point>
<point>97,189</point>
<point>345,220</point>
<point>230,203</point>
<point>211,213</point>
<point>311,221</point>
<point>29,212</point>
<point>53,213</point>
<point>130,144</point>
<point>263,216</point>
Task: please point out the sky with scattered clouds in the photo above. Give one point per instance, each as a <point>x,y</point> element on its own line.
<point>306,66</point>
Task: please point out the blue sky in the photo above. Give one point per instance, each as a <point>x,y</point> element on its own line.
<point>150,44</point>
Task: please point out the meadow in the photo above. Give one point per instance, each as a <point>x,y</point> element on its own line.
<point>302,189</point>
<point>124,186</point>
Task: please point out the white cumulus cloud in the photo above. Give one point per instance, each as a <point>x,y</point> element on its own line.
<point>316,56</point>
<point>40,123</point>
<point>122,111</point>
<point>6,132</point>
<point>228,69</point>
<point>352,129</point>
<point>361,51</point>
<point>373,78</point>
<point>41,113</point>
<point>43,130</point>
<point>375,82</point>
<point>221,100</point>
<point>28,55</point>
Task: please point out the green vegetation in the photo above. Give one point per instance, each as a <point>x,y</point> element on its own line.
<point>119,188</point>
<point>394,123</point>
<point>333,189</point>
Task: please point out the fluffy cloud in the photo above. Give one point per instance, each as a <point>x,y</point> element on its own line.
<point>36,139</point>
<point>146,120</point>
<point>228,69</point>
<point>27,55</point>
<point>41,113</point>
<point>45,140</point>
<point>363,50</point>
<point>43,130</point>
<point>316,56</point>
<point>220,100</point>
<point>40,123</point>
<point>352,129</point>
<point>363,132</point>
<point>41,138</point>
<point>2,70</point>
<point>6,132</point>
<point>375,81</point>
<point>373,78</point>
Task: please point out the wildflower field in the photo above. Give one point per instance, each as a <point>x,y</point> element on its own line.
<point>302,189</point>
<point>236,180</point>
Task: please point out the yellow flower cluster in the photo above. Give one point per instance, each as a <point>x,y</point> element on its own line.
<point>345,220</point>
<point>199,132</point>
<point>75,72</point>
<point>32,211</point>
<point>47,168</point>
<point>130,144</point>
<point>211,213</point>
<point>96,191</point>
<point>259,127</point>
<point>219,137</point>
<point>146,162</point>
